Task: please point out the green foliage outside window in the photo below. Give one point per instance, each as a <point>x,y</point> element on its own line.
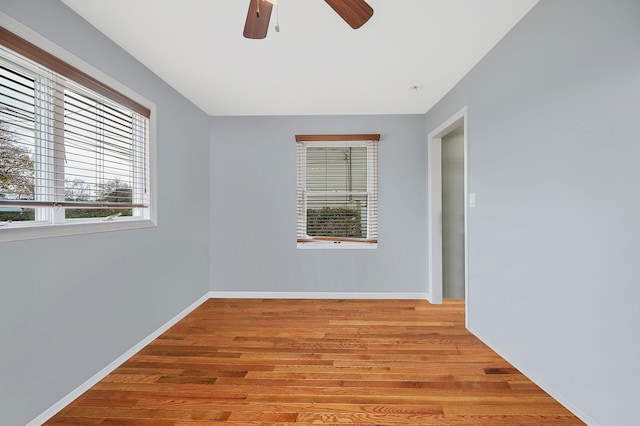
<point>116,193</point>
<point>338,222</point>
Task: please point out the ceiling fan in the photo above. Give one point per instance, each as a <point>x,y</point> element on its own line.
<point>354,12</point>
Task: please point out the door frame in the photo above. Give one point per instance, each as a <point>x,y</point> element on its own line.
<point>434,205</point>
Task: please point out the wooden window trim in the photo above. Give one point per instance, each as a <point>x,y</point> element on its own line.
<point>44,58</point>
<point>337,138</point>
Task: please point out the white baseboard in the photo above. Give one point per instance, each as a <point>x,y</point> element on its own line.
<point>55,408</point>
<point>313,295</point>
<point>556,395</point>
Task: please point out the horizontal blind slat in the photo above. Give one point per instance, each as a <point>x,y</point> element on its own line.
<point>69,204</point>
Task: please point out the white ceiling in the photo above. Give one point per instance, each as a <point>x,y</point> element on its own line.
<point>316,64</point>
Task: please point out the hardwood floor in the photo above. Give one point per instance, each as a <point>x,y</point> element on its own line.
<point>256,362</point>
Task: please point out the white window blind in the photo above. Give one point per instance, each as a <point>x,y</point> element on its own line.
<point>337,188</point>
<point>67,151</point>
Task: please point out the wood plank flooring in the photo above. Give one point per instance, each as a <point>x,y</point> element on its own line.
<point>278,362</point>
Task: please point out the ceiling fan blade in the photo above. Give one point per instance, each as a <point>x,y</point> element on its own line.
<point>355,12</point>
<point>258,17</point>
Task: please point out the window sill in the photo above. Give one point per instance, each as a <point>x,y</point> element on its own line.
<point>18,233</point>
<point>336,245</point>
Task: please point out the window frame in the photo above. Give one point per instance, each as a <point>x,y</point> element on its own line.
<point>95,80</point>
<point>346,140</point>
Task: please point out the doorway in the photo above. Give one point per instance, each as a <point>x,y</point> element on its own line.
<point>453,214</point>
<point>447,198</point>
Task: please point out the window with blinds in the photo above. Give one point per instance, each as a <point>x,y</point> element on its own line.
<point>71,148</point>
<point>337,189</point>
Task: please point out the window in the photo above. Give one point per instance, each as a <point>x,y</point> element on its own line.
<point>337,191</point>
<point>72,150</point>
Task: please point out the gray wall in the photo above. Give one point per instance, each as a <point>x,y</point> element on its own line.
<point>253,213</point>
<point>72,305</point>
<point>554,143</point>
